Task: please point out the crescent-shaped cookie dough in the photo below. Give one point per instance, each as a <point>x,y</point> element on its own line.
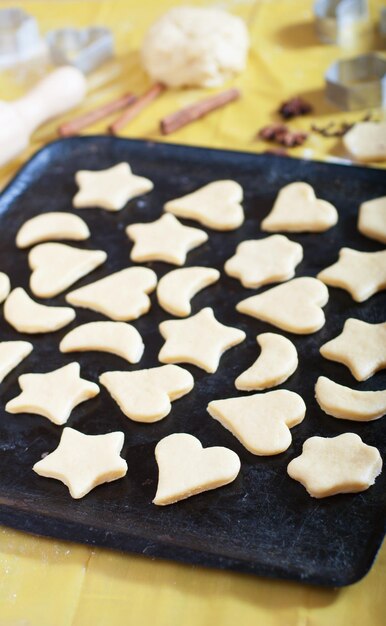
<point>275,364</point>
<point>146,395</point>
<point>5,286</point>
<point>11,354</point>
<point>27,316</point>
<point>372,219</point>
<point>186,468</point>
<point>114,337</point>
<point>51,226</point>
<point>261,422</point>
<point>57,266</point>
<point>216,205</point>
<point>298,210</point>
<point>349,404</point>
<point>177,288</point>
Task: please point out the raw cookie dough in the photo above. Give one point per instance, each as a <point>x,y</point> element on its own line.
<point>345,403</point>
<point>122,296</point>
<point>177,288</point>
<point>5,286</point>
<point>366,141</point>
<point>342,464</point>
<point>294,306</point>
<point>50,227</point>
<point>362,274</point>
<point>27,316</point>
<point>109,189</point>
<point>83,462</point>
<point>186,468</point>
<point>275,364</point>
<point>200,340</point>
<point>114,337</point>
<point>56,266</point>
<point>216,205</point>
<point>360,346</point>
<point>195,46</point>
<point>53,394</point>
<point>146,395</point>
<point>165,239</point>
<point>12,354</point>
<point>298,210</point>
<point>261,422</point>
<point>261,261</point>
<point>372,219</point>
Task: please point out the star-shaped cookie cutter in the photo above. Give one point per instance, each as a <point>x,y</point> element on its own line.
<point>85,48</point>
<point>357,83</point>
<point>19,37</point>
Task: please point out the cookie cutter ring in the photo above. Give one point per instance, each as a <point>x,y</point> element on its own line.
<point>336,17</point>
<point>357,83</point>
<point>85,49</point>
<point>19,37</point>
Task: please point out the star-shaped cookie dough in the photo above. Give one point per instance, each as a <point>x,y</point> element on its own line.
<point>342,464</point>
<point>54,394</point>
<point>360,346</point>
<point>362,274</point>
<point>258,262</point>
<point>199,340</point>
<point>372,219</point>
<point>166,239</point>
<point>83,462</point>
<point>5,286</point>
<point>109,189</point>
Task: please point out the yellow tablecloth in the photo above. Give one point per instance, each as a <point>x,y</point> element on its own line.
<point>47,582</point>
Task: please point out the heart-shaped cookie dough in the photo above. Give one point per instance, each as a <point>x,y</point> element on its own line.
<point>5,286</point>
<point>57,266</point>
<point>12,354</point>
<point>186,468</point>
<point>294,306</point>
<point>216,205</point>
<point>146,395</point>
<point>261,422</point>
<point>298,210</point>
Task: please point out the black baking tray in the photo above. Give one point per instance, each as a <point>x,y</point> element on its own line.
<point>263,523</point>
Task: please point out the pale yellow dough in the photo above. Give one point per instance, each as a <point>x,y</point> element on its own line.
<point>27,316</point>
<point>294,306</point>
<point>12,354</point>
<point>54,394</point>
<point>166,239</point>
<point>109,189</point>
<point>83,462</point>
<point>177,288</point>
<point>362,274</point>
<point>57,266</point>
<point>261,261</point>
<point>360,346</point>
<point>199,340</point>
<point>275,364</point>
<point>372,219</point>
<point>366,141</point>
<point>51,226</point>
<point>343,464</point>
<point>216,205</point>
<point>114,337</point>
<point>5,286</point>
<point>345,403</point>
<point>186,468</point>
<point>122,296</point>
<point>146,395</point>
<point>261,422</point>
<point>298,210</point>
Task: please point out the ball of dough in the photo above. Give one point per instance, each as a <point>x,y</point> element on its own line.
<point>193,46</point>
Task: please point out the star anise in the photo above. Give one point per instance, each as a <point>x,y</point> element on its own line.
<point>282,135</point>
<point>294,107</point>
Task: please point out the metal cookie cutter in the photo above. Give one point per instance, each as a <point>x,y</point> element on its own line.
<point>357,83</point>
<point>337,20</point>
<point>87,49</point>
<point>19,37</point>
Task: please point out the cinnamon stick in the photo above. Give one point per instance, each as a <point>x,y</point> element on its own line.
<point>74,126</point>
<point>189,114</point>
<point>134,109</point>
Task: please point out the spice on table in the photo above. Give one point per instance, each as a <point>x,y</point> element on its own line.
<point>295,107</point>
<point>74,126</point>
<point>277,152</point>
<point>332,129</point>
<point>178,119</point>
<point>283,135</point>
<point>136,107</point>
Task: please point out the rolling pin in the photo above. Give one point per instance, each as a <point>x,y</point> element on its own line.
<point>58,92</point>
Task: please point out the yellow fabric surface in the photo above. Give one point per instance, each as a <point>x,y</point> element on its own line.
<point>46,582</point>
